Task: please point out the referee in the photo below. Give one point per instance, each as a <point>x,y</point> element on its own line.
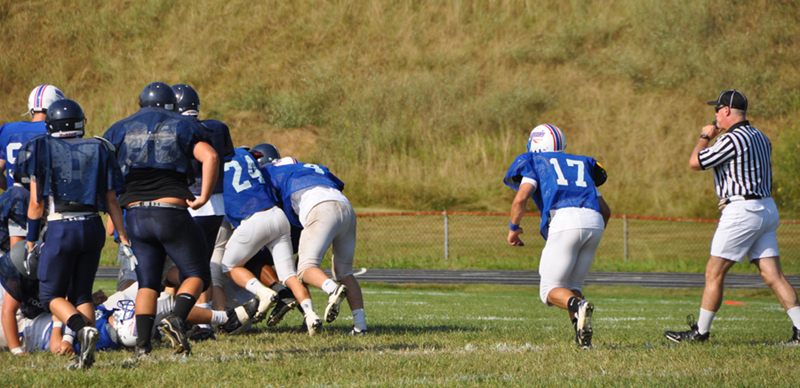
<point>741,159</point>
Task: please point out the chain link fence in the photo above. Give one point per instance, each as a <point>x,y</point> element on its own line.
<point>478,240</point>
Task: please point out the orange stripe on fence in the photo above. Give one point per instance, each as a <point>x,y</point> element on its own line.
<point>630,217</point>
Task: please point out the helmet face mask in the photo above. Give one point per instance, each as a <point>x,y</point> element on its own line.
<point>265,153</point>
<point>159,95</point>
<point>546,138</point>
<point>65,118</point>
<point>125,323</point>
<point>41,97</point>
<point>188,101</point>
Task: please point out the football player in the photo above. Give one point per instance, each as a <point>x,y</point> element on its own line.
<point>574,215</point>
<point>12,137</point>
<point>312,199</point>
<point>210,216</point>
<point>155,147</point>
<point>74,178</point>
<point>251,208</point>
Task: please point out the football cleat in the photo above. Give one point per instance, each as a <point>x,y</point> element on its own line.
<point>199,333</point>
<point>239,317</point>
<point>142,352</point>
<point>173,328</point>
<point>87,338</point>
<point>282,307</point>
<point>689,335</point>
<point>334,301</point>
<point>795,340</point>
<point>359,332</point>
<point>266,299</point>
<point>312,323</point>
<point>583,325</point>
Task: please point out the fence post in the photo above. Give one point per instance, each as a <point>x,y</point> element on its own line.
<point>625,238</point>
<point>446,236</point>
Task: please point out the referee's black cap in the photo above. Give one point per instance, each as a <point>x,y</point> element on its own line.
<point>732,98</point>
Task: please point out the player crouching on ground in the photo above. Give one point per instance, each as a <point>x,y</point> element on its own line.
<point>312,199</point>
<point>574,216</point>
<point>75,178</point>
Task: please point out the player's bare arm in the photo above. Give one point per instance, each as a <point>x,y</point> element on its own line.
<point>35,210</point>
<point>206,155</point>
<point>517,212</point>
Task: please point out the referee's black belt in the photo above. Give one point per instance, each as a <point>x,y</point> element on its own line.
<point>746,197</point>
<point>156,204</point>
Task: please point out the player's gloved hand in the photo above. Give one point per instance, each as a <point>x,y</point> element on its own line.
<point>128,253</point>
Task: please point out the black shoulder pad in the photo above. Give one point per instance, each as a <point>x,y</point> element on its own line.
<point>599,175</point>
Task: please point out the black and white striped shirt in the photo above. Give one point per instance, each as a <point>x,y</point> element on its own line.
<point>742,162</point>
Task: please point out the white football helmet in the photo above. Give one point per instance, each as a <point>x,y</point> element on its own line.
<point>125,323</point>
<point>42,96</point>
<point>546,138</point>
<point>284,161</point>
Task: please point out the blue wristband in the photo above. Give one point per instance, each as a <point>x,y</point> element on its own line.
<point>33,229</point>
<point>513,227</point>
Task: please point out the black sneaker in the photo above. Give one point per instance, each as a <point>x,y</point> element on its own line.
<point>173,328</point>
<point>198,333</point>
<point>283,306</point>
<point>142,352</point>
<point>795,340</point>
<point>690,335</point>
<point>240,316</point>
<point>87,338</point>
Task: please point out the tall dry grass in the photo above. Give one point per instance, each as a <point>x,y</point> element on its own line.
<point>422,105</point>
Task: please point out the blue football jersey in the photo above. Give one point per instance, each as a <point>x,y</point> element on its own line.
<point>156,138</point>
<point>12,137</point>
<point>220,137</point>
<point>247,188</point>
<point>71,169</point>
<point>290,178</point>
<point>564,180</point>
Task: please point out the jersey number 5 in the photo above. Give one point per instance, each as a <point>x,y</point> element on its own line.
<point>562,181</point>
<point>252,171</point>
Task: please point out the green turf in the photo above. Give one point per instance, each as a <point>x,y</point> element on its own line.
<point>463,335</point>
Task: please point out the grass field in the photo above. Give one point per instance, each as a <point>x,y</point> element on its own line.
<point>468,336</point>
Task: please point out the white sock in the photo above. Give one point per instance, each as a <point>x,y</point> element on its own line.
<point>218,317</point>
<point>329,286</point>
<point>704,321</point>
<point>253,285</point>
<point>206,306</point>
<point>307,305</point>
<point>794,314</point>
<point>359,320</point>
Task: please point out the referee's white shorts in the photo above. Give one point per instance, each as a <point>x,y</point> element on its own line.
<point>747,229</point>
<point>566,259</point>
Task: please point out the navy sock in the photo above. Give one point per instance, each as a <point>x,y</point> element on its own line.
<point>144,328</point>
<point>183,305</point>
<point>76,322</point>
<point>572,304</point>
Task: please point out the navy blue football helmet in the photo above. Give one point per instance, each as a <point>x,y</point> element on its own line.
<point>26,263</point>
<point>65,118</point>
<point>158,94</point>
<point>265,153</point>
<point>188,100</point>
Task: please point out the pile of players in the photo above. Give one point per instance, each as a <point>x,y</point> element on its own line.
<point>190,213</point>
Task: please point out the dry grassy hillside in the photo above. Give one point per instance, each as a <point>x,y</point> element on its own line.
<point>422,105</point>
